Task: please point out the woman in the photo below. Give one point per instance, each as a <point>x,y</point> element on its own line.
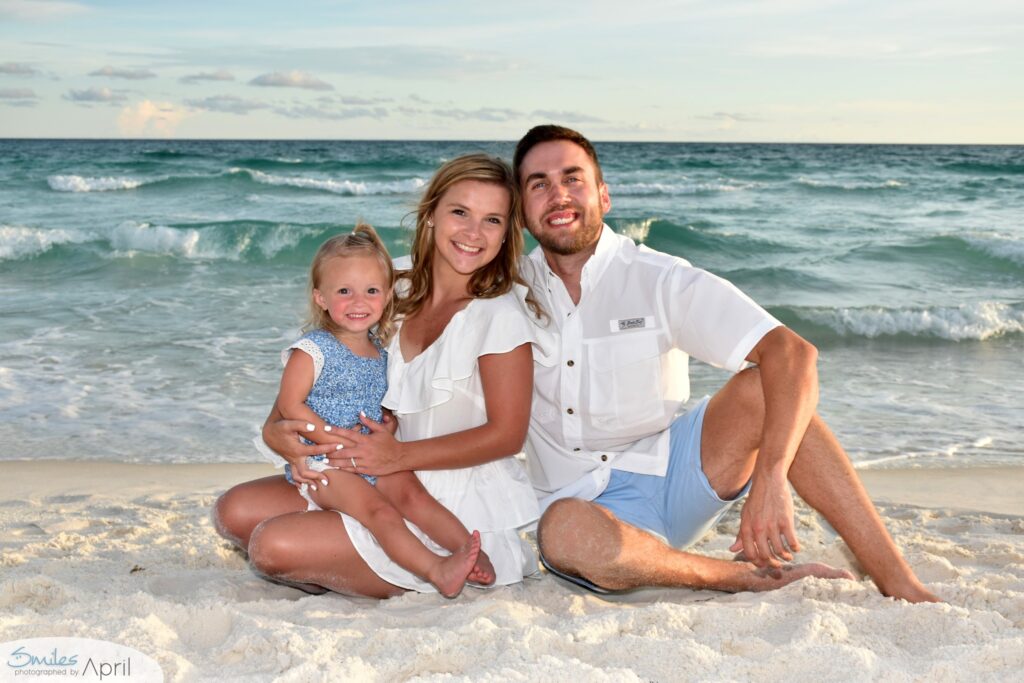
<point>460,376</point>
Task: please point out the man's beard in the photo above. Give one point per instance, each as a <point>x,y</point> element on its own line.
<point>569,244</point>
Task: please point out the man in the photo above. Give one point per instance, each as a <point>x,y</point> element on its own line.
<point>621,472</point>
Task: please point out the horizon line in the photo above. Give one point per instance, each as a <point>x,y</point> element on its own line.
<point>513,141</point>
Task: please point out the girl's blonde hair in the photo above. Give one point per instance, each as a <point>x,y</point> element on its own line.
<point>492,280</point>
<point>362,241</point>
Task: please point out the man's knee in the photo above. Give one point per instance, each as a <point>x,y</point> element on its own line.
<point>749,394</point>
<point>566,533</point>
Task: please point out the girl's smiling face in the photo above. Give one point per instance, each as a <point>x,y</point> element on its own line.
<point>353,290</point>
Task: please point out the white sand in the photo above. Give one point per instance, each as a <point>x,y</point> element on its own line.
<point>127,553</point>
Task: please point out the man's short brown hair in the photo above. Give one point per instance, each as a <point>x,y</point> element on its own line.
<point>550,133</point>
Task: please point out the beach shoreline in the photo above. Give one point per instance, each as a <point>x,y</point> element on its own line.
<point>127,553</point>
<point>975,489</point>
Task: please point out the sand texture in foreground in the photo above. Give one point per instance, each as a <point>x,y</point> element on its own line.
<point>127,553</point>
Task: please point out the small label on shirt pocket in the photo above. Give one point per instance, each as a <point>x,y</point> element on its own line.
<point>625,324</point>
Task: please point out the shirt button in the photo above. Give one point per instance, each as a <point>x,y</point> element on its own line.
<point>570,411</point>
<point>571,363</point>
<point>604,458</point>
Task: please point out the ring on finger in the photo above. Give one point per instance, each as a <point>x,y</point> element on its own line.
<point>353,459</point>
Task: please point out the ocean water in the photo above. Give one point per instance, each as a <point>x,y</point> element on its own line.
<point>147,287</point>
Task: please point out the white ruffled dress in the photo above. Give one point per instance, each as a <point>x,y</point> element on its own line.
<point>440,392</point>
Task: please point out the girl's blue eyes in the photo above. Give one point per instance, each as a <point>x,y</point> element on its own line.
<point>371,290</point>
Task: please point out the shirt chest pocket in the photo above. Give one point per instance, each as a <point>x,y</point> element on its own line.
<point>625,380</point>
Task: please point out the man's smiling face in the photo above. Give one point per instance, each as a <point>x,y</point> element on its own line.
<point>564,203</point>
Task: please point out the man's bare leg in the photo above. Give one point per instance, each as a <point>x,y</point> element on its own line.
<point>821,473</point>
<point>584,539</point>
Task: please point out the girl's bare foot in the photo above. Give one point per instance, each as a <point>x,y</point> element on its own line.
<point>449,574</point>
<point>483,571</point>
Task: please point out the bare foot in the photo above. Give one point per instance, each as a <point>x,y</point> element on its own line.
<point>449,574</point>
<point>483,571</point>
<point>786,574</point>
<point>913,591</point>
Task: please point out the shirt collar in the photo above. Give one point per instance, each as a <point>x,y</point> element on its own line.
<point>607,246</point>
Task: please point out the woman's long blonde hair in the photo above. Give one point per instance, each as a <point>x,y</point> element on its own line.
<point>492,280</point>
<point>362,241</point>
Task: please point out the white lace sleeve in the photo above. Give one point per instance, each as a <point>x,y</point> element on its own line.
<point>310,347</point>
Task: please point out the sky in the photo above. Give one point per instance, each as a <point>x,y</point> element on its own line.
<point>893,71</point>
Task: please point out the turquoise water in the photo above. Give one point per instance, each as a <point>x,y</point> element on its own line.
<point>147,287</point>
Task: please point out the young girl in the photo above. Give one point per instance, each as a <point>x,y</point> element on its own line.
<point>340,374</point>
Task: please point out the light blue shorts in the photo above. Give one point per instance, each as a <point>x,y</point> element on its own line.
<point>680,507</point>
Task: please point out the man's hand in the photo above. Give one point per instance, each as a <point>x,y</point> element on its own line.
<point>767,535</point>
<point>377,453</point>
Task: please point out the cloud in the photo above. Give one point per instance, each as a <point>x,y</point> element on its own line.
<point>291,79</point>
<point>492,114</point>
<point>18,94</point>
<point>566,116</point>
<point>150,119</point>
<point>229,104</point>
<point>95,95</point>
<point>129,74</point>
<point>219,75</point>
<point>18,69</point>
<point>311,112</point>
<point>354,101</point>
<point>730,117</point>
<point>18,97</point>
<point>40,10</point>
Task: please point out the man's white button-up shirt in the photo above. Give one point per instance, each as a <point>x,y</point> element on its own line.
<point>621,376</point>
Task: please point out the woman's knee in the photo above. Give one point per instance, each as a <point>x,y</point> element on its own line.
<point>270,549</point>
<point>231,518</point>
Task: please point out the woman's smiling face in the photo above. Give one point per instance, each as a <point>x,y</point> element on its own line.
<point>470,222</point>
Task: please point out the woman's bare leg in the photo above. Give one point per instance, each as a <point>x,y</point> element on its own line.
<point>314,548</point>
<point>309,550</point>
<point>241,508</point>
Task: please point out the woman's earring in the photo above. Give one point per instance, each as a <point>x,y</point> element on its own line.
<point>430,223</point>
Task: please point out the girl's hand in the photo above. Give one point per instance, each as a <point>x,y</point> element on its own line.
<point>378,453</point>
<point>302,474</point>
<point>389,421</point>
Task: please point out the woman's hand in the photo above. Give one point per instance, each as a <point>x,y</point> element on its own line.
<point>377,453</point>
<point>285,437</point>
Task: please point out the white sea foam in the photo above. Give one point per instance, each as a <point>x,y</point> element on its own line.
<point>77,183</point>
<point>886,185</point>
<point>997,245</point>
<point>343,187</point>
<point>18,241</point>
<point>978,321</point>
<point>130,239</point>
<point>644,189</point>
<point>157,239</point>
<point>637,230</point>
